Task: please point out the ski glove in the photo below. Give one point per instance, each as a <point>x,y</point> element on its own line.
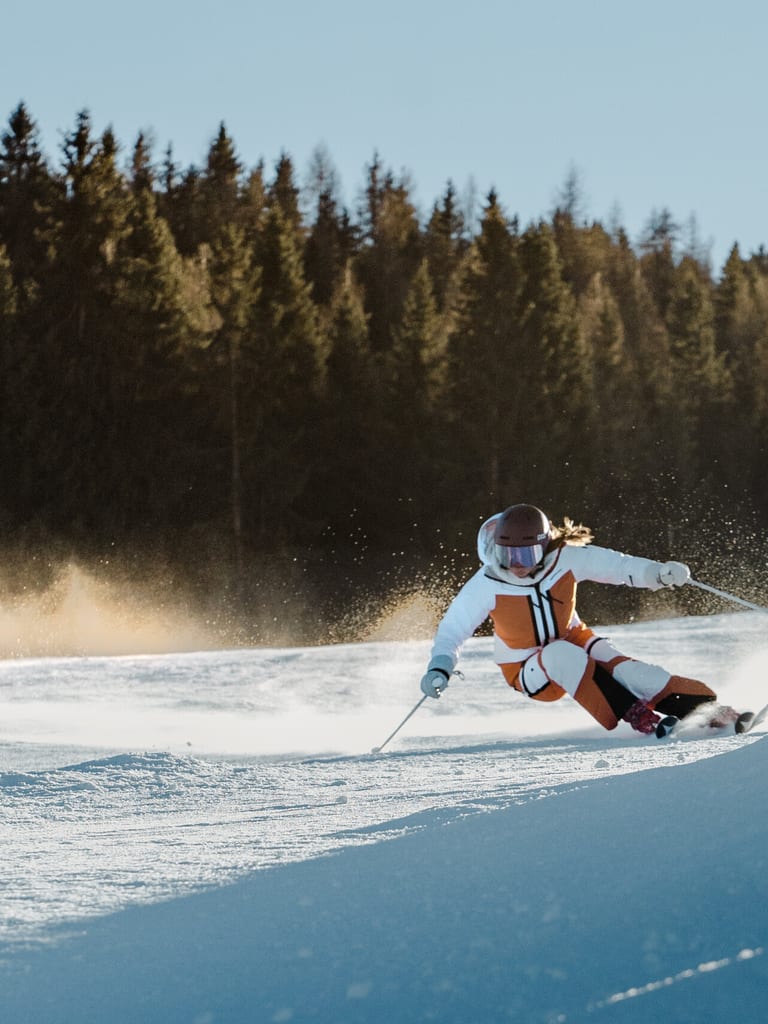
<point>437,675</point>
<point>667,574</point>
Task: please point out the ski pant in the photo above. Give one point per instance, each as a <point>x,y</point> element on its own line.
<point>603,680</point>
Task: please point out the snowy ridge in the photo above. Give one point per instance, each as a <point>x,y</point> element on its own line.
<point>165,824</point>
<point>633,898</point>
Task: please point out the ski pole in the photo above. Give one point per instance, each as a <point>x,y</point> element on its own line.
<point>729,597</point>
<point>413,711</point>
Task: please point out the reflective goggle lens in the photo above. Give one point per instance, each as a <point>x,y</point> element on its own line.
<point>519,558</point>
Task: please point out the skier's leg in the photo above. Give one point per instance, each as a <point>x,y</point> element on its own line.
<point>659,689</point>
<point>607,684</point>
<point>681,696</point>
<point>568,667</point>
<point>655,686</point>
<point>548,691</point>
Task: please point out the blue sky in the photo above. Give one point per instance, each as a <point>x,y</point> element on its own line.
<point>654,105</point>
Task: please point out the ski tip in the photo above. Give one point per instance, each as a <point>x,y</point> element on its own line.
<point>666,726</point>
<point>744,722</point>
<point>749,720</point>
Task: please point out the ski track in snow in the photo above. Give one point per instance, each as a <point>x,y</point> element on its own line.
<point>138,779</point>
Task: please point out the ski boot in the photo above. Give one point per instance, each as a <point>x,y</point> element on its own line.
<point>642,718</point>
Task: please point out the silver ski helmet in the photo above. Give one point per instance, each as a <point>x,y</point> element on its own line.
<point>522,537</point>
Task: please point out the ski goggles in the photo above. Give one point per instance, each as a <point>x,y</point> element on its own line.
<point>519,557</point>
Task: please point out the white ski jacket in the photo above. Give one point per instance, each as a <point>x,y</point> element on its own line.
<point>531,612</point>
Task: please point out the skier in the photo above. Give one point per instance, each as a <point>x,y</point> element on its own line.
<point>527,585</point>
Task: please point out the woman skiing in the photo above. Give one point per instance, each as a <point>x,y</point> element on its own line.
<point>527,585</point>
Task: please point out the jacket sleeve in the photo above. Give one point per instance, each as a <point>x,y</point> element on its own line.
<point>603,565</point>
<point>468,610</point>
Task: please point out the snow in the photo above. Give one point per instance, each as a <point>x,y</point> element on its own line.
<point>206,838</point>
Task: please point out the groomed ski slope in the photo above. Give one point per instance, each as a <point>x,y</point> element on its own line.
<point>203,838</point>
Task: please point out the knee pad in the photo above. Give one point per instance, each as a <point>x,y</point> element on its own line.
<point>645,681</point>
<point>559,662</point>
<point>602,650</point>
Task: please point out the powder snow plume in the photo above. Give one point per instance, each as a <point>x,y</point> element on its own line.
<point>81,615</point>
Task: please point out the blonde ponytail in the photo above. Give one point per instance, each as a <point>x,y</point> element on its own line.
<point>570,533</point>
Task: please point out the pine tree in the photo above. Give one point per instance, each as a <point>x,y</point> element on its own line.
<point>235,289</point>
<point>560,421</point>
<point>142,173</point>
<point>645,474</point>
<point>750,431</point>
<point>331,238</point>
<point>487,367</point>
<point>79,366</point>
<point>703,384</point>
<point>284,193</point>
<point>645,334</point>
<point>602,327</point>
<point>180,204</point>
<point>444,246</point>
<point>156,331</point>
<point>220,186</point>
<point>254,204</point>
<point>658,244</point>
<point>13,400</point>
<point>728,296</point>
<point>346,481</point>
<point>583,249</point>
<point>389,255</point>
<point>8,302</point>
<point>413,382</point>
<point>28,196</point>
<point>330,245</point>
<point>616,416</point>
<point>282,419</point>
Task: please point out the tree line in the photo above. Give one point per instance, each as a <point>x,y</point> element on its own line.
<point>242,376</point>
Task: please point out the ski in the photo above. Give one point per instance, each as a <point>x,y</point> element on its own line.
<point>745,723</point>
<point>748,721</point>
<point>667,726</point>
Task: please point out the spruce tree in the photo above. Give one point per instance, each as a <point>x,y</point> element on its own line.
<point>235,289</point>
<point>658,247</point>
<point>487,367</point>
<point>616,415</point>
<point>557,369</point>
<point>346,481</point>
<point>28,197</point>
<point>283,417</point>
<point>284,193</point>
<point>445,245</point>
<point>8,303</point>
<point>219,193</point>
<point>254,204</point>
<point>81,368</point>
<point>389,254</point>
<point>414,385</point>
<point>181,205</point>
<point>330,244</point>
<point>157,331</point>
<point>750,432</point>
<point>702,381</point>
<point>142,173</point>
<point>729,298</point>
<point>13,393</point>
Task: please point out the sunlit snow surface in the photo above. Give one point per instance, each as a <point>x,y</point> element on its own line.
<point>128,780</point>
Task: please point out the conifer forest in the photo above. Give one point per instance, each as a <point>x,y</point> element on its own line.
<point>284,401</point>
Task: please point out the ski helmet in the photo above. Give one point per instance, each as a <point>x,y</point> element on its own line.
<point>522,537</point>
